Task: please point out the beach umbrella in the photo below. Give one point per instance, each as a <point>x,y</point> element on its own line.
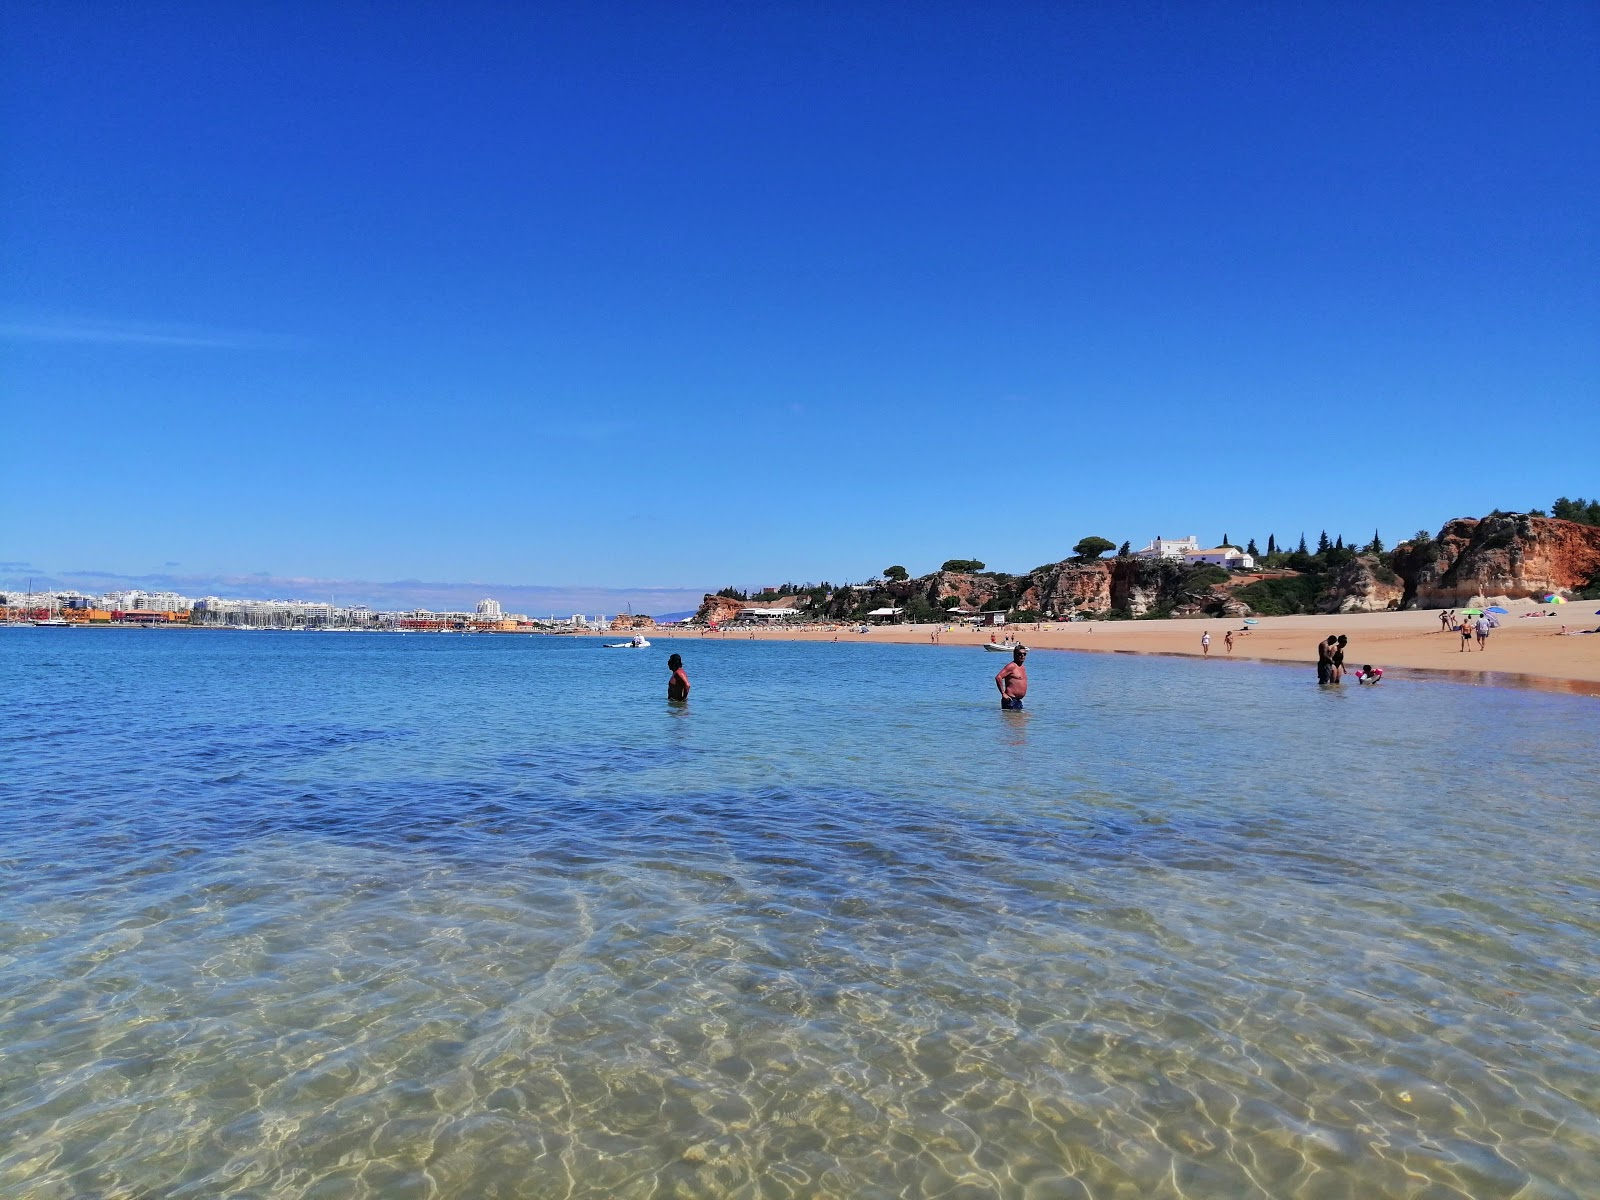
<point>1471,612</point>
<point>1552,598</point>
<point>1503,612</point>
<point>1250,621</point>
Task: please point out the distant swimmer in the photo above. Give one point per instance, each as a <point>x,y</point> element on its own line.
<point>678,685</point>
<point>1013,679</point>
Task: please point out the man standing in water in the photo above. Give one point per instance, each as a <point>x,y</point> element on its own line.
<point>1325,659</point>
<point>678,685</point>
<point>1013,679</point>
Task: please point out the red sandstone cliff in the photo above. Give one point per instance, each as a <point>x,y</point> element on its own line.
<point>1515,556</point>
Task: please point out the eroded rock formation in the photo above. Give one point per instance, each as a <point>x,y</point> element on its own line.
<point>1514,556</point>
<point>1363,584</point>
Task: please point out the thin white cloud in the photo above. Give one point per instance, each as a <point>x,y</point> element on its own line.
<point>132,333</point>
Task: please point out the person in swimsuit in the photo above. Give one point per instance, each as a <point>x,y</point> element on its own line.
<point>1227,640</point>
<point>678,684</point>
<point>1205,642</point>
<point>1338,657</point>
<point>1013,679</point>
<point>1325,659</point>
<point>1466,636</point>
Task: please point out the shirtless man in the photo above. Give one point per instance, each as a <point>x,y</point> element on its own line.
<point>678,684</point>
<point>1013,679</point>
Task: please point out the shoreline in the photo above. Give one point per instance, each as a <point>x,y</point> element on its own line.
<point>1521,653</point>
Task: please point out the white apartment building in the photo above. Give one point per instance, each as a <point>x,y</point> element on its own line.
<point>489,608</point>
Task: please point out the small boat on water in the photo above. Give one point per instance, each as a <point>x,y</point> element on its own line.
<point>1005,647</point>
<point>55,623</point>
<point>634,643</point>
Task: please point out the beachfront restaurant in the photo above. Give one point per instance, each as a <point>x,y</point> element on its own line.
<point>768,614</point>
<point>884,614</point>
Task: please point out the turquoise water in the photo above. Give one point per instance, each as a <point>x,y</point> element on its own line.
<point>307,915</point>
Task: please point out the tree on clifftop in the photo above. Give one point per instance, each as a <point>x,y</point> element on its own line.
<point>898,574</point>
<point>1091,548</point>
<point>1125,550</point>
<point>1251,549</point>
<point>1323,544</point>
<point>1585,512</point>
<point>1272,544</point>
<point>1302,549</point>
<point>1375,546</point>
<point>967,566</point>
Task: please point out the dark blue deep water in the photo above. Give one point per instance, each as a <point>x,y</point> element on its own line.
<point>327,915</point>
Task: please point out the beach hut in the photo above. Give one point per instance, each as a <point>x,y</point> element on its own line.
<point>881,615</point>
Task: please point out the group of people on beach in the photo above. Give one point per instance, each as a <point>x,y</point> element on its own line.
<point>1330,662</point>
<point>1469,625</point>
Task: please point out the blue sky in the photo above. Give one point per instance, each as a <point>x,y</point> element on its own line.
<point>676,296</point>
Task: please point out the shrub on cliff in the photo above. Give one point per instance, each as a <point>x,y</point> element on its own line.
<point>1203,577</point>
<point>1282,597</point>
<point>1091,548</point>
<point>966,566</point>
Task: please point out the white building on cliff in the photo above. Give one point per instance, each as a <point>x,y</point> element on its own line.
<point>1189,550</point>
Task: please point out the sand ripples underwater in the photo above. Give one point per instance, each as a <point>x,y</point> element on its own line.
<point>480,918</point>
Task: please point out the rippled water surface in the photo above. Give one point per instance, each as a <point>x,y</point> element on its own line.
<point>304,915</point>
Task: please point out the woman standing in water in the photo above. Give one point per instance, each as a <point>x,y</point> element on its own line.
<point>678,684</point>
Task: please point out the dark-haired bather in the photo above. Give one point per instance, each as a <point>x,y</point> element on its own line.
<point>678,685</point>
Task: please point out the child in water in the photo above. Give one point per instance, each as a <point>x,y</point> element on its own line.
<point>678,685</point>
<point>1369,674</point>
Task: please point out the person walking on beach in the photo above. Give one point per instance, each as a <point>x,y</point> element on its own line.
<point>1325,659</point>
<point>1466,636</point>
<point>1227,640</point>
<point>1205,643</point>
<point>1482,628</point>
<point>678,684</point>
<point>1444,621</point>
<point>1013,679</point>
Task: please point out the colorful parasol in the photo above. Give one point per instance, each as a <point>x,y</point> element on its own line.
<point>1503,612</point>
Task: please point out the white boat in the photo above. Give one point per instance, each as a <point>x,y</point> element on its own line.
<point>55,622</point>
<point>1002,647</point>
<point>633,643</point>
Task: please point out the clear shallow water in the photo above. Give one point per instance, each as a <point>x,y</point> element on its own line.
<point>308,915</point>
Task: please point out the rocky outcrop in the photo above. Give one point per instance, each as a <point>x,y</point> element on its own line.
<point>1363,584</point>
<point>1065,588</point>
<point>624,621</point>
<point>720,610</point>
<point>1508,555</point>
<point>1142,586</point>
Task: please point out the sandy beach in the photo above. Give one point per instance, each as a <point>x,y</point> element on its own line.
<point>1522,651</point>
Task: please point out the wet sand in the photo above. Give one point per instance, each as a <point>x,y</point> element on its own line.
<point>1525,651</point>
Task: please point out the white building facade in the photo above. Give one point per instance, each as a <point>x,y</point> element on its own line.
<point>1189,550</point>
